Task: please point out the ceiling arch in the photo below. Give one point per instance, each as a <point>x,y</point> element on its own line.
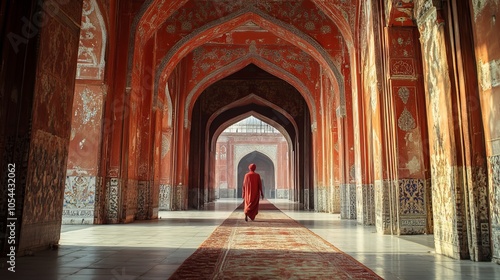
<point>213,29</point>
<point>243,116</point>
<point>148,20</point>
<point>331,9</point>
<point>240,64</point>
<point>283,116</point>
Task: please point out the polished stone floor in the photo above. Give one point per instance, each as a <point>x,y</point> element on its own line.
<point>154,249</point>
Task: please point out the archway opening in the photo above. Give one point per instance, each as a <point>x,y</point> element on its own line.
<point>265,169</point>
<point>247,141</point>
<point>250,91</point>
<point>82,175</point>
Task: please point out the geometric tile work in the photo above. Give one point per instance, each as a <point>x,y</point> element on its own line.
<point>412,206</point>
<point>348,201</point>
<point>479,231</point>
<point>368,205</point>
<point>428,197</point>
<point>494,187</point>
<point>320,203</point>
<point>335,200</point>
<point>131,200</point>
<point>412,197</point>
<point>227,193</point>
<point>379,206</point>
<point>383,221</point>
<point>79,200</point>
<point>352,201</point>
<point>112,198</point>
<point>344,202</point>
<point>360,203</point>
<point>165,197</point>
<point>143,201</point>
<point>305,198</point>
<point>282,193</point>
<point>180,198</point>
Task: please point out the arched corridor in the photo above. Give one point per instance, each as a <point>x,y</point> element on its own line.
<point>111,113</point>
<point>266,171</point>
<point>155,249</point>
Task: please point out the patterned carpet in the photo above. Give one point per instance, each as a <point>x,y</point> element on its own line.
<point>271,247</point>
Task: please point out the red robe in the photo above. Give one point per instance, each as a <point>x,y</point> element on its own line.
<point>252,190</point>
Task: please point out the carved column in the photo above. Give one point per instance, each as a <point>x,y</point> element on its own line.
<point>36,125</point>
<point>409,114</point>
<point>447,187</point>
<point>82,177</point>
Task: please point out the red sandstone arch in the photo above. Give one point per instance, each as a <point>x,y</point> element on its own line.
<point>149,20</point>
<point>92,45</point>
<point>211,31</point>
<point>234,120</point>
<point>210,147</point>
<point>240,64</point>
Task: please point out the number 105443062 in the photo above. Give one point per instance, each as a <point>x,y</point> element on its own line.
<point>11,188</point>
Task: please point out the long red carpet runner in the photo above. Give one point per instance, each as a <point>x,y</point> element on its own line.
<point>273,246</point>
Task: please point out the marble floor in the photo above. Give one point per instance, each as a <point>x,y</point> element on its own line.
<point>154,249</point>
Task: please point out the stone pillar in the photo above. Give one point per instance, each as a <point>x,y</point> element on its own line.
<point>409,112</point>
<point>111,195</point>
<point>347,166</point>
<point>447,187</point>
<point>82,178</point>
<point>36,125</point>
<point>481,97</point>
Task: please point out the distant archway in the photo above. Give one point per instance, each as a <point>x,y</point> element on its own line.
<point>265,167</point>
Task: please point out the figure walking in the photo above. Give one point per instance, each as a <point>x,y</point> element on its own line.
<point>252,191</point>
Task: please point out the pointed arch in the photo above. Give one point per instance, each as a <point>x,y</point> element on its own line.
<point>263,159</point>
<point>240,64</point>
<point>243,116</point>
<point>213,29</point>
<point>91,61</point>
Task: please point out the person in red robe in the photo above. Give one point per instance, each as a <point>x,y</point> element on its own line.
<point>252,191</point>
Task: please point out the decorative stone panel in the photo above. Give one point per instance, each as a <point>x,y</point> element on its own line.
<point>382,206</point>
<point>411,197</point>
<point>368,193</point>
<point>412,206</point>
<point>165,197</point>
<point>336,205</point>
<point>282,194</point>
<point>91,53</point>
<point>227,193</point>
<point>359,204</point>
<point>143,201</point>
<point>130,193</point>
<point>494,190</point>
<point>430,217</point>
<point>320,199</point>
<point>447,185</point>
<point>44,192</point>
<point>79,200</point>
<point>112,199</point>
<point>348,201</point>
<point>479,239</point>
<point>305,198</point>
<point>179,200</point>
